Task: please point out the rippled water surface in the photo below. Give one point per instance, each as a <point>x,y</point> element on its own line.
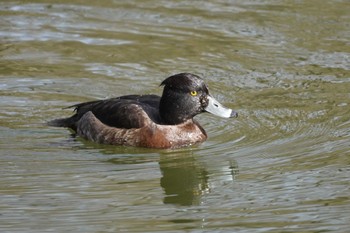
<point>282,166</point>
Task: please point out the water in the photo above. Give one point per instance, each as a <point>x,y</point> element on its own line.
<point>282,166</point>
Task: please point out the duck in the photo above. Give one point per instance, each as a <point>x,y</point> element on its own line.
<point>149,120</point>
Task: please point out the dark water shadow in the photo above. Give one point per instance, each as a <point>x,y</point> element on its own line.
<point>185,173</point>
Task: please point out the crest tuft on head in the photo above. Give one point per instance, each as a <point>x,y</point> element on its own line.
<point>185,81</point>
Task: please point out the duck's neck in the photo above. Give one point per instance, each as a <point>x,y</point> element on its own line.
<point>172,110</point>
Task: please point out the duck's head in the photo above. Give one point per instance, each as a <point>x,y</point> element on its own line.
<point>184,96</point>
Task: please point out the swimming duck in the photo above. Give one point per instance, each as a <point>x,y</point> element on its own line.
<point>148,120</point>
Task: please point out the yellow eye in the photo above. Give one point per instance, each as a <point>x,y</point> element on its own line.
<point>193,93</point>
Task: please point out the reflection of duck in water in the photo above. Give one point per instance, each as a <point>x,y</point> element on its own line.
<point>148,120</point>
<point>184,180</point>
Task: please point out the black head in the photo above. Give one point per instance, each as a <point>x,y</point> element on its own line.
<point>184,96</point>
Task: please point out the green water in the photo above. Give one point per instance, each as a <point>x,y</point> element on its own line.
<point>281,166</point>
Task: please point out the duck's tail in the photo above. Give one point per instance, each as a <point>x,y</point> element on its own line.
<point>69,122</point>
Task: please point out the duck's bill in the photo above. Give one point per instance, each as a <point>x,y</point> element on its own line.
<point>214,107</point>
